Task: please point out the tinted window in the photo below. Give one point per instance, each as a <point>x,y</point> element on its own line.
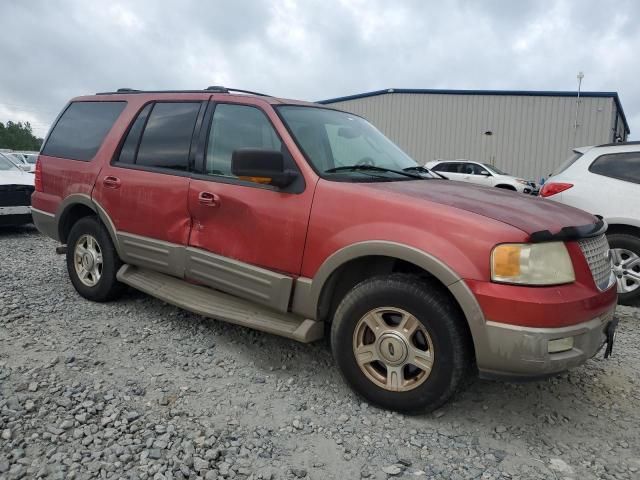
<point>130,146</point>
<point>237,126</point>
<point>623,166</point>
<point>442,167</point>
<point>167,137</point>
<point>81,129</point>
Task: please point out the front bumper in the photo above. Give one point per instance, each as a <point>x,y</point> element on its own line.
<point>517,352</point>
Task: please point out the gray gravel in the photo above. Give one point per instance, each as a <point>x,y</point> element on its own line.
<point>140,389</point>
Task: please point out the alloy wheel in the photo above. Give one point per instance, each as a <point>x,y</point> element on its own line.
<point>393,349</point>
<point>87,259</point>
<point>626,266</point>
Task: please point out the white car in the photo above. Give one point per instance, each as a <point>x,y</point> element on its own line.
<point>481,174</point>
<point>605,180</point>
<point>16,187</point>
<point>20,160</point>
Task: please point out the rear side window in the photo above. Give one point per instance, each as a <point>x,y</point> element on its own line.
<point>81,129</point>
<point>623,166</point>
<point>167,136</point>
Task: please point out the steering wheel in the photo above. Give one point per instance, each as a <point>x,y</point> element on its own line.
<point>366,161</point>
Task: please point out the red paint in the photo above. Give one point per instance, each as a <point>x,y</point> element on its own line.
<point>458,224</point>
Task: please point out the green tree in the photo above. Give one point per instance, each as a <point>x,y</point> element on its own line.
<point>18,136</point>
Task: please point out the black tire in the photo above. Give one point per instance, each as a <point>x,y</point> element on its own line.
<point>107,288</point>
<point>507,187</point>
<point>631,243</point>
<point>435,310</point>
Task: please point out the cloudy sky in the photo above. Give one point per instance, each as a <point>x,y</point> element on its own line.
<point>51,51</point>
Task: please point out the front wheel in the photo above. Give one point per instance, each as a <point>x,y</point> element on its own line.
<point>92,261</point>
<point>400,342</point>
<point>625,252</point>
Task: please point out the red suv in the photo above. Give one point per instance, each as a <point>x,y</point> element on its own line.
<point>302,220</point>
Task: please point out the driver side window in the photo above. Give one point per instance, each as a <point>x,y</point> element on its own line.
<point>234,127</point>
<point>478,170</point>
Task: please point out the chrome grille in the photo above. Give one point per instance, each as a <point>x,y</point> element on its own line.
<point>596,251</point>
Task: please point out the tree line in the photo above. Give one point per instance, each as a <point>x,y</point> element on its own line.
<point>18,136</point>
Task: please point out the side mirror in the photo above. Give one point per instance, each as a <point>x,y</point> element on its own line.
<point>261,166</point>
<point>24,167</point>
<point>484,173</point>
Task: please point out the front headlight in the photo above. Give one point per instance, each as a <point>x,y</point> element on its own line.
<point>522,181</point>
<point>532,264</point>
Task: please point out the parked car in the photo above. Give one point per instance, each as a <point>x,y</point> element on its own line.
<point>298,219</point>
<point>20,161</point>
<point>16,187</point>
<point>481,174</point>
<point>605,180</point>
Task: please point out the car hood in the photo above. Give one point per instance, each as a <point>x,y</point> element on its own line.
<point>527,213</point>
<point>16,178</point>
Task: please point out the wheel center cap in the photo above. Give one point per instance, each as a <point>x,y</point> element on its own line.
<point>87,261</point>
<point>392,348</point>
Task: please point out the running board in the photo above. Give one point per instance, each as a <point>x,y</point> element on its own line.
<point>214,304</point>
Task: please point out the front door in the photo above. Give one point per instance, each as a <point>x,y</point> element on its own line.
<point>145,190</point>
<point>247,238</point>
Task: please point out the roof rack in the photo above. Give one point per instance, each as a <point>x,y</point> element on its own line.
<point>212,89</point>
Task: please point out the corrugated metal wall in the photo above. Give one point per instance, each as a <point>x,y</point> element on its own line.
<point>531,135</point>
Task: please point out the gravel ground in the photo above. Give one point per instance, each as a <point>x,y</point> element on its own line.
<point>140,389</point>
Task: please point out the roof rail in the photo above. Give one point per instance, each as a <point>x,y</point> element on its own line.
<point>227,90</point>
<point>619,144</point>
<point>212,89</point>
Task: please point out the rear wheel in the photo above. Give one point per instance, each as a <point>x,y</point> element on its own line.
<point>625,252</point>
<point>400,342</point>
<point>92,261</point>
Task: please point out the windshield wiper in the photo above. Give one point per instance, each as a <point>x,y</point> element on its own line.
<point>421,169</point>
<point>373,168</point>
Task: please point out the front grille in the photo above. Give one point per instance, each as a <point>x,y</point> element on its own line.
<point>596,251</point>
<point>15,195</point>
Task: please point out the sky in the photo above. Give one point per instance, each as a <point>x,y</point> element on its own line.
<point>312,50</point>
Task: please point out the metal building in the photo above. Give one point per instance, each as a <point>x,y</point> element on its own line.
<point>525,133</point>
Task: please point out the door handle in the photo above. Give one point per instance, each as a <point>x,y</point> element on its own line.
<point>209,199</point>
<point>111,182</point>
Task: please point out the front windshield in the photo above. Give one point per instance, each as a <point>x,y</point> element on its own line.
<point>6,165</point>
<point>333,139</point>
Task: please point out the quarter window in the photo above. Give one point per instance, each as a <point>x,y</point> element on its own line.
<point>81,129</point>
<point>234,127</point>
<point>623,166</point>
<point>167,136</point>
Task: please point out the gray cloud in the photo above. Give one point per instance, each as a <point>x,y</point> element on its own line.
<point>51,51</point>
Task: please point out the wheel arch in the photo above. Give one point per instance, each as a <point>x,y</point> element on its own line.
<point>77,206</point>
<point>623,228</point>
<point>318,297</point>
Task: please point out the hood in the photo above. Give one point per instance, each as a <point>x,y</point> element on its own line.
<point>13,177</point>
<point>527,213</point>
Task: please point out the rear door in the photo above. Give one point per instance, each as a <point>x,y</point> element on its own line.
<point>247,238</point>
<point>145,188</point>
